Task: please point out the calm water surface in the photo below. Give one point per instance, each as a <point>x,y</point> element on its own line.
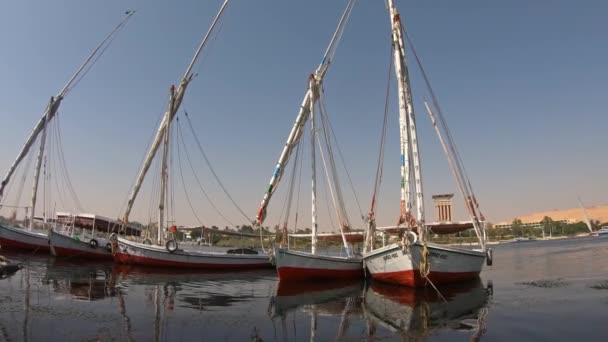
<point>536,291</point>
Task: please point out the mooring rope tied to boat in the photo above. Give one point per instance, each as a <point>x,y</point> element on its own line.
<point>425,271</point>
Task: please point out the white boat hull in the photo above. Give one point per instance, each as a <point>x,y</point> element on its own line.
<point>292,265</point>
<point>392,264</point>
<point>129,252</point>
<point>17,238</point>
<point>63,245</point>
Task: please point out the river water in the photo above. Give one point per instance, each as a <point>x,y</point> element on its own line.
<point>536,291</point>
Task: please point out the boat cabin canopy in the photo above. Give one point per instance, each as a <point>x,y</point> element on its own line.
<point>101,223</point>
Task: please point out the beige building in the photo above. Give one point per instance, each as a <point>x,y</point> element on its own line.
<point>443,207</point>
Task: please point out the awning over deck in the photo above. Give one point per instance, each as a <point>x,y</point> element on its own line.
<point>101,223</point>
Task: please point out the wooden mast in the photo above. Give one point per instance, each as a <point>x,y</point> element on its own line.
<point>407,123</point>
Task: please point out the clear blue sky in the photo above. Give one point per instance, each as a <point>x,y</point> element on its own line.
<point>522,84</point>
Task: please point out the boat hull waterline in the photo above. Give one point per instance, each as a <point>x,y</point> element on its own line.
<point>17,238</point>
<point>391,264</point>
<point>129,252</point>
<point>293,265</point>
<point>65,246</point>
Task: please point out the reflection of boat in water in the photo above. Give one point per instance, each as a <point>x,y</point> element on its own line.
<point>326,296</point>
<point>328,300</point>
<point>417,311</point>
<point>199,290</point>
<point>89,282</point>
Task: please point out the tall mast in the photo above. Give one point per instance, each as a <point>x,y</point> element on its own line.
<point>53,106</point>
<point>37,168</point>
<point>169,115</point>
<point>313,138</point>
<point>298,127</point>
<point>407,121</point>
<point>163,172</point>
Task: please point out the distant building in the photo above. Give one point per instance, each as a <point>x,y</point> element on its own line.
<point>443,207</point>
<point>566,216</point>
<point>533,224</point>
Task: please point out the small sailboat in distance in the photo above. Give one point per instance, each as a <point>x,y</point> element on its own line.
<point>603,231</point>
<point>165,252</point>
<point>36,238</point>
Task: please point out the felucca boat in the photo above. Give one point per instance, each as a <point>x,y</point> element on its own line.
<point>415,261</point>
<point>166,252</point>
<point>300,265</point>
<point>35,237</point>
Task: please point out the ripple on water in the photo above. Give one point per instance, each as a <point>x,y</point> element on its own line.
<point>545,283</point>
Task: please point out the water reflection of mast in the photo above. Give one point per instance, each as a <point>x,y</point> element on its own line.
<point>123,313</point>
<point>313,323</point>
<point>344,319</point>
<point>26,303</point>
<point>156,314</point>
<point>110,288</point>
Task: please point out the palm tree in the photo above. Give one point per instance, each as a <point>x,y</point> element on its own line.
<point>547,223</point>
<point>516,226</point>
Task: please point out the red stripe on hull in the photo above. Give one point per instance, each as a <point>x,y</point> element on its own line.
<point>68,252</point>
<point>298,273</point>
<point>139,260</point>
<point>413,279</point>
<point>12,244</point>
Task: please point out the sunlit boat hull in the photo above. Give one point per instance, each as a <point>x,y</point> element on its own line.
<point>134,253</point>
<point>292,265</point>
<point>17,238</point>
<point>65,246</point>
<point>391,264</point>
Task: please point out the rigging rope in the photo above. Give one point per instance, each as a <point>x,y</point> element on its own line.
<point>338,204</point>
<point>154,192</point>
<point>63,166</point>
<point>285,204</point>
<point>452,145</point>
<point>328,56</point>
<point>326,184</point>
<point>459,172</point>
<point>200,146</point>
<point>105,43</point>
<point>350,181</point>
<point>380,164</point>
<point>179,160</point>
<point>371,236</point>
<point>291,187</point>
<point>327,126</point>
<point>197,179</point>
<point>141,162</point>
<point>26,172</point>
<point>54,169</point>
